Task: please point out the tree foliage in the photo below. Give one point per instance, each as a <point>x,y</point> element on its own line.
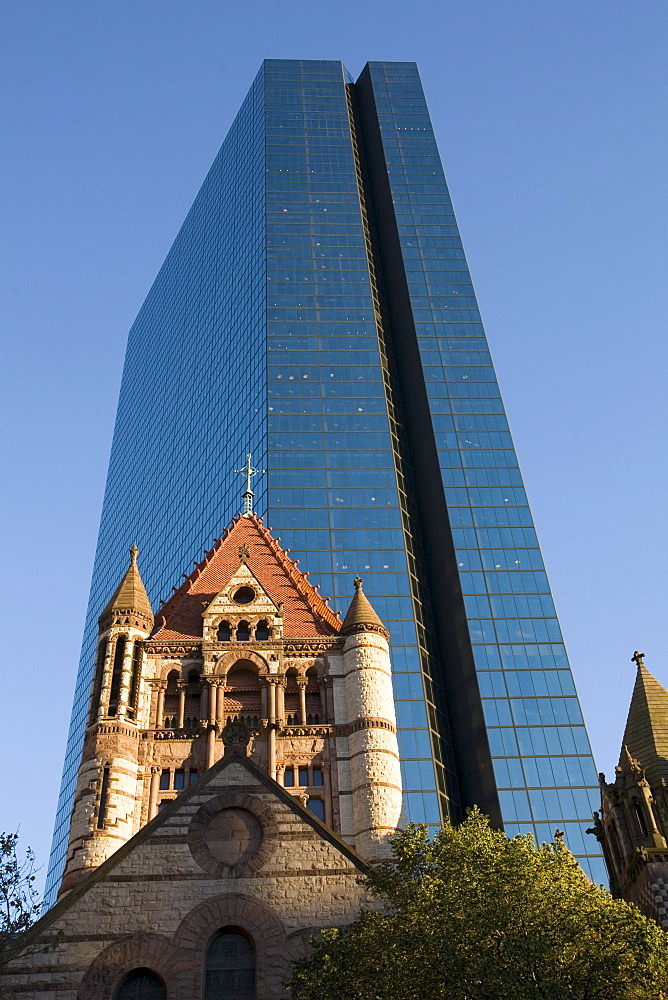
<point>19,906</point>
<point>474,915</point>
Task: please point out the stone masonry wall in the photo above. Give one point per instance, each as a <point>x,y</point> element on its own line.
<point>373,751</point>
<point>160,900</point>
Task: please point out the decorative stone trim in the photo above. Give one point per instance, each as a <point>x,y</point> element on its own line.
<point>317,730</point>
<point>308,648</point>
<point>197,833</point>
<point>359,724</point>
<point>121,617</point>
<point>151,951</point>
<point>172,649</point>
<point>242,652</point>
<point>117,727</point>
<point>365,627</point>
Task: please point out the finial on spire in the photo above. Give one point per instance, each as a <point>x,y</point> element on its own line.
<point>134,552</point>
<point>358,583</point>
<point>248,471</point>
<point>638,659</point>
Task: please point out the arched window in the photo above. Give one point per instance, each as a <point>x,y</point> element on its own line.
<point>99,675</point>
<point>224,633</point>
<point>262,632</point>
<point>134,679</point>
<point>117,673</point>
<point>141,984</point>
<point>243,632</point>
<point>230,967</point>
<point>640,817</point>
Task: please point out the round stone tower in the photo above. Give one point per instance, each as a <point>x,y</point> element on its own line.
<point>107,797</point>
<point>371,725</point>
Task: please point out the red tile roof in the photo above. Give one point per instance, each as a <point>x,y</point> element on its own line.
<point>306,615</point>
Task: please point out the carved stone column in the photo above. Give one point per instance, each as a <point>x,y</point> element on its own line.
<point>272,727</point>
<point>160,704</point>
<point>302,684</point>
<point>182,705</point>
<point>106,682</point>
<point>211,746</point>
<point>220,703</point>
<point>280,699</point>
<point>213,690</point>
<point>126,674</point>
<point>153,792</point>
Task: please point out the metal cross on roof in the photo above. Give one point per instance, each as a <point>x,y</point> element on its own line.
<point>638,658</point>
<point>248,471</point>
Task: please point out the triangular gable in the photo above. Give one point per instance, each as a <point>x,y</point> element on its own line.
<point>646,733</point>
<point>208,786</point>
<point>306,614</point>
<point>223,602</point>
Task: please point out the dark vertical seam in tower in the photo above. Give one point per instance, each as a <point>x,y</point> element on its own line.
<point>462,694</point>
<point>263,504</point>
<point>429,656</point>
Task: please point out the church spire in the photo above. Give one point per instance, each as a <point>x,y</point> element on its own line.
<point>646,733</point>
<point>130,599</point>
<point>360,616</point>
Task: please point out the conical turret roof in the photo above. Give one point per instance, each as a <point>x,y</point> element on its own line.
<point>646,733</point>
<point>360,616</point>
<point>130,595</point>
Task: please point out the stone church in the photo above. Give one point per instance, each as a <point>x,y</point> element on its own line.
<point>240,771</point>
<point>632,826</point>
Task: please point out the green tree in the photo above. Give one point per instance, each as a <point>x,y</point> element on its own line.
<point>19,905</point>
<point>474,915</point>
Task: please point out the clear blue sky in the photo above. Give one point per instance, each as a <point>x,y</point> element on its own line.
<point>550,116</point>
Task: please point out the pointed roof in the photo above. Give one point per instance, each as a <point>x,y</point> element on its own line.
<point>646,733</point>
<point>360,616</point>
<point>305,613</point>
<point>130,595</point>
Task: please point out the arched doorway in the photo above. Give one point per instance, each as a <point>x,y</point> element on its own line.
<point>230,967</point>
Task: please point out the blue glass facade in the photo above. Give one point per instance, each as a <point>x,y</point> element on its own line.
<point>316,309</point>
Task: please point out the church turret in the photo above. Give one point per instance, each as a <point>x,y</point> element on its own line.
<point>632,827</point>
<point>373,750</point>
<point>105,807</point>
<point>127,618</point>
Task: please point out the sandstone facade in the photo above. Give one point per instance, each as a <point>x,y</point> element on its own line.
<point>186,852</point>
<point>234,851</point>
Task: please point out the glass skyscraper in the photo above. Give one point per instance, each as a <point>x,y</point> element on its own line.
<point>316,310</point>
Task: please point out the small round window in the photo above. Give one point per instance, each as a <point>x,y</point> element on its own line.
<point>244,595</point>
